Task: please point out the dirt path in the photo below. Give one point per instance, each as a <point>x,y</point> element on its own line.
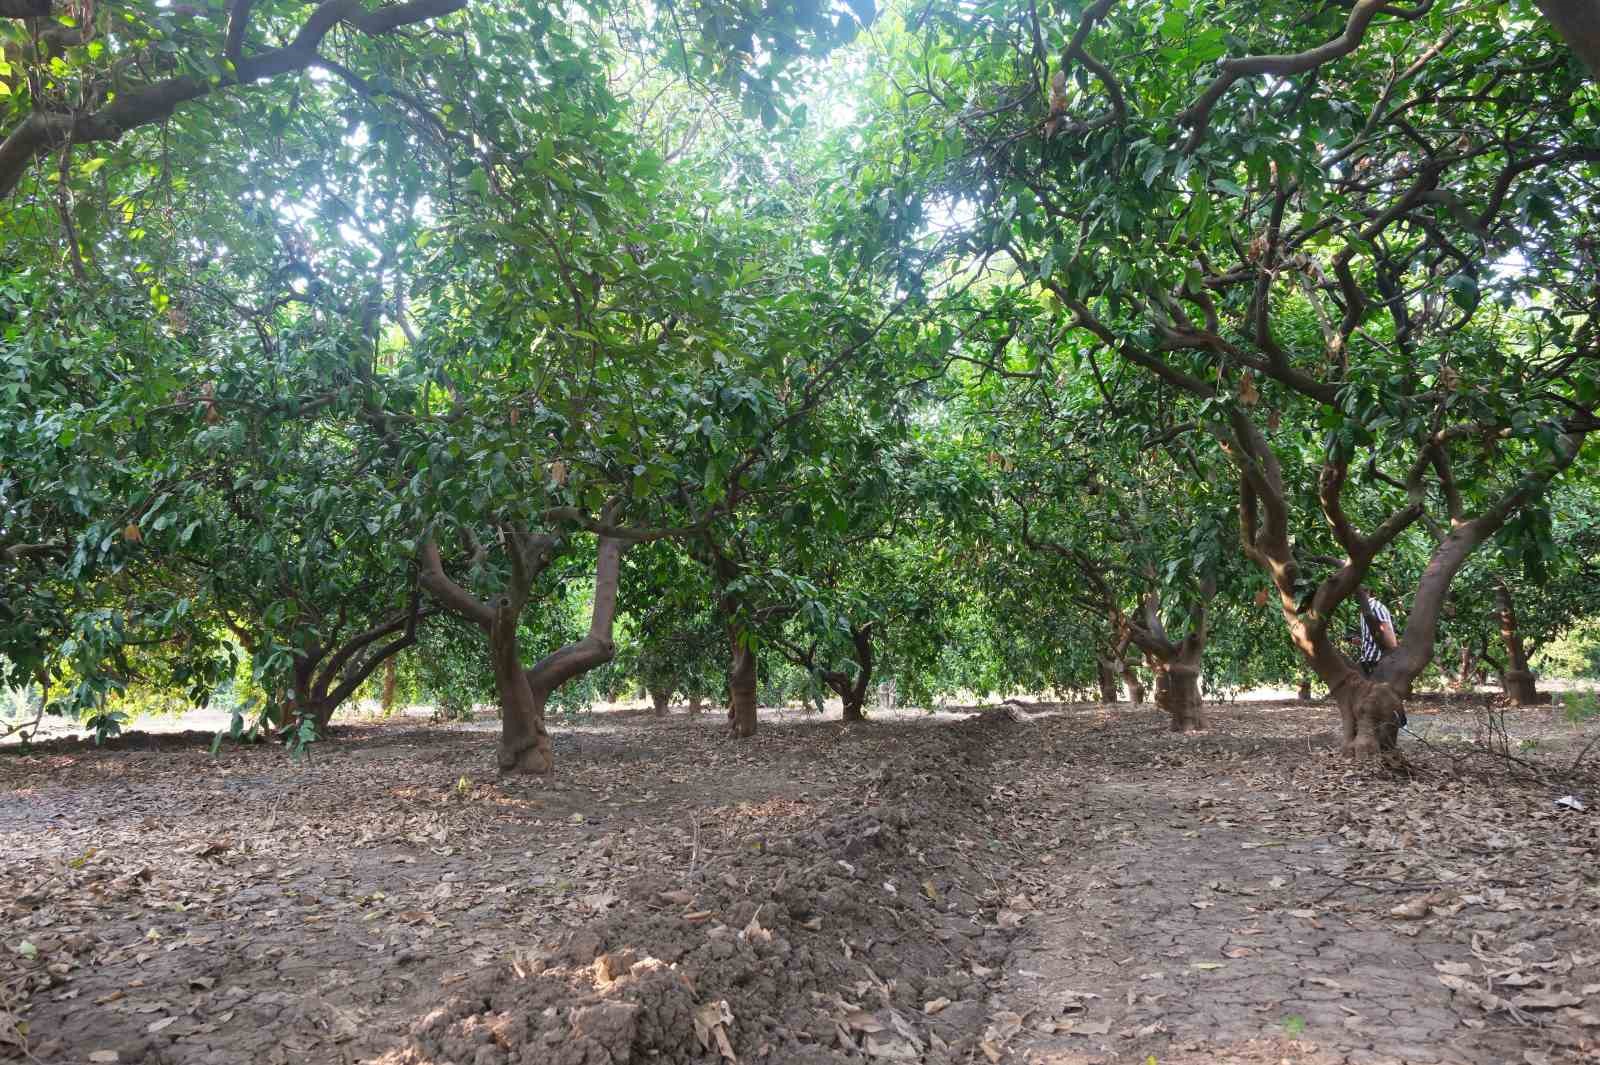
<point>1073,887</point>
<point>1237,899</point>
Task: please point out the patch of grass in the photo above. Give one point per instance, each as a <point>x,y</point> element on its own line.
<point>1294,1026</point>
<point>1580,707</point>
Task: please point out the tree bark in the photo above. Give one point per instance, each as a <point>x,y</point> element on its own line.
<point>391,680</point>
<point>1106,674</point>
<point>1578,23</point>
<point>1178,693</point>
<point>1130,680</point>
<point>660,701</point>
<point>854,694</point>
<point>1304,694</point>
<point>696,703</point>
<point>523,693</point>
<point>741,686</point>
<point>1517,680</point>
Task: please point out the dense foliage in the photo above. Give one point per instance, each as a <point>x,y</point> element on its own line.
<point>719,349</point>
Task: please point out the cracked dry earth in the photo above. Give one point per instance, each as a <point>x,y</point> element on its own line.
<point>1066,887</point>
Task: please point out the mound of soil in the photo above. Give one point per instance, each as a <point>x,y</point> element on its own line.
<point>873,930</point>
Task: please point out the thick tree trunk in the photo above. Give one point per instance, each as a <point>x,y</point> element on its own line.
<point>854,707</point>
<point>741,688</point>
<point>524,740</point>
<point>696,703</point>
<point>660,701</point>
<point>1130,680</point>
<point>1178,693</point>
<point>1370,712</point>
<point>1106,674</point>
<point>1517,679</point>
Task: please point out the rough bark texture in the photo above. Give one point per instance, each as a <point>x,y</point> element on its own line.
<point>1106,674</point>
<point>741,688</point>
<point>1517,679</point>
<point>1369,711</point>
<point>1178,693</point>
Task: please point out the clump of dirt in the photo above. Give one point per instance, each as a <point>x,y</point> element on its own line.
<point>871,931</point>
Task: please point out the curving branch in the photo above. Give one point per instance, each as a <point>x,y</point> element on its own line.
<point>41,131</point>
<point>1197,116</point>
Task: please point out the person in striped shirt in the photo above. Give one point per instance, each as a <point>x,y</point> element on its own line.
<point>1374,644</point>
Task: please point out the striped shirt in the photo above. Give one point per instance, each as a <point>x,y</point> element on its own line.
<point>1371,650</point>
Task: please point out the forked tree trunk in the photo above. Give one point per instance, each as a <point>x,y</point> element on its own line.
<point>523,693</point>
<point>660,701</point>
<point>1106,674</point>
<point>741,687</point>
<point>853,694</point>
<point>1517,680</point>
<point>1130,680</point>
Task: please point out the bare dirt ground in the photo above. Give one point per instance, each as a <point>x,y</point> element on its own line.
<point>1065,885</point>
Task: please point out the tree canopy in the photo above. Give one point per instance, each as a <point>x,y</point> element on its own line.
<point>1001,347</point>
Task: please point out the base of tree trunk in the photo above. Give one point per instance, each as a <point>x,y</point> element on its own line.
<point>696,703</point>
<point>536,757</point>
<point>1520,687</point>
<point>853,711</point>
<point>1179,696</point>
<point>660,702</point>
<point>1106,675</point>
<point>1370,712</point>
<point>742,691</point>
<point>1130,680</point>
<point>1304,694</point>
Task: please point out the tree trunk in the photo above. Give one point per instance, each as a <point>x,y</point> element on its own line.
<point>524,740</point>
<point>1178,693</point>
<point>1469,666</point>
<point>1106,674</point>
<point>1370,712</point>
<point>1304,694</point>
<point>696,703</point>
<point>391,680</point>
<point>659,701</point>
<point>1517,679</point>
<point>854,694</point>
<point>1130,680</point>
<point>741,687</point>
